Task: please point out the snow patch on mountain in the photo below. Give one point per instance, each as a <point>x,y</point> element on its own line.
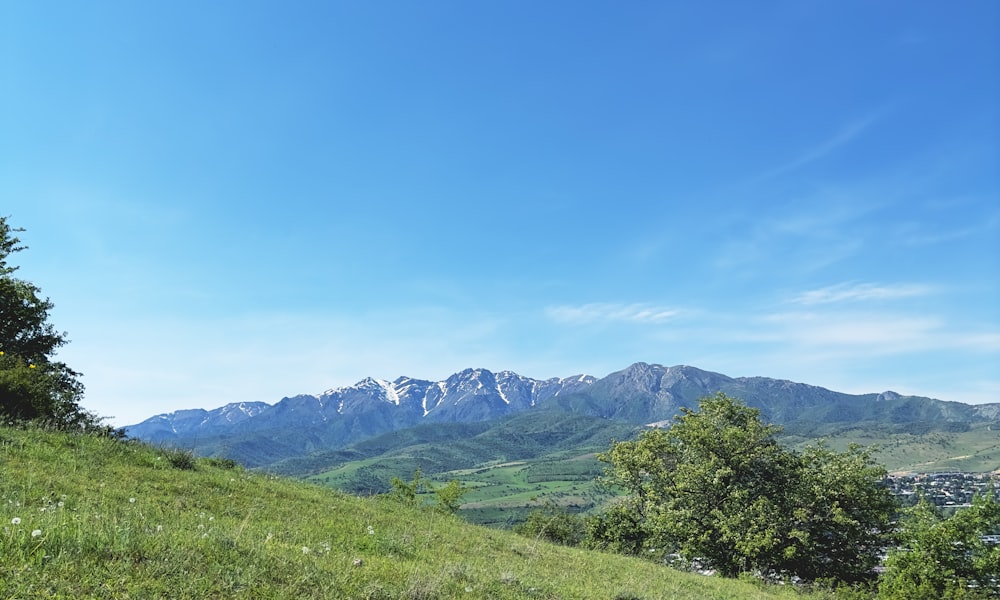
<point>472,394</point>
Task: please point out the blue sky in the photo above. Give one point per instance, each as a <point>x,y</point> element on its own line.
<point>235,201</point>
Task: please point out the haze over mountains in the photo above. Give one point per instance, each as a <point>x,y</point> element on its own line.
<point>259,433</point>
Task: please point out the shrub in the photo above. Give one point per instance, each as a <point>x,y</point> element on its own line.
<point>554,524</point>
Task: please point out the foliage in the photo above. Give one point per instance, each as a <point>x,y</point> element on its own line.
<point>945,557</point>
<point>841,515</point>
<point>180,458</point>
<point>448,497</point>
<point>555,525</point>
<point>407,491</point>
<point>33,385</point>
<point>718,487</point>
<point>621,528</point>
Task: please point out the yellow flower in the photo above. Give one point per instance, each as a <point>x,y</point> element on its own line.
<point>31,366</point>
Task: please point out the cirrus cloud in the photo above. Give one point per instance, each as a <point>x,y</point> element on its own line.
<point>852,292</point>
<point>611,311</point>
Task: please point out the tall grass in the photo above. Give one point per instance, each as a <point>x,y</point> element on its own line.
<point>87,517</point>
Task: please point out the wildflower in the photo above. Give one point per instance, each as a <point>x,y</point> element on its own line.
<point>15,521</point>
<point>371,530</point>
<point>31,366</point>
<point>61,504</point>
<point>269,536</point>
<point>36,533</point>
<point>305,549</point>
<point>131,500</point>
<point>159,528</point>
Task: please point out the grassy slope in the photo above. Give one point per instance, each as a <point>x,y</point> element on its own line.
<point>85,517</point>
<point>976,450</point>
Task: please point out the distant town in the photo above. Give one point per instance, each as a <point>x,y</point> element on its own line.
<point>943,489</point>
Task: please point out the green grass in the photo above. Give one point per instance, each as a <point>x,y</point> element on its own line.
<point>499,495</point>
<point>84,517</point>
<point>503,495</point>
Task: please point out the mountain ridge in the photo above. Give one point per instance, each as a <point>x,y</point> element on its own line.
<point>642,393</point>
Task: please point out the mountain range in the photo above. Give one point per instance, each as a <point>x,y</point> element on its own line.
<point>260,434</point>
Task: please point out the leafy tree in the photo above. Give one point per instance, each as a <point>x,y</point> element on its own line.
<point>448,497</point>
<point>945,558</point>
<point>841,515</point>
<point>553,524</point>
<point>621,528</point>
<point>718,487</point>
<point>33,385</point>
<point>407,492</point>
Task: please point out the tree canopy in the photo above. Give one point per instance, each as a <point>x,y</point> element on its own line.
<point>34,386</point>
<point>945,557</point>
<point>717,487</point>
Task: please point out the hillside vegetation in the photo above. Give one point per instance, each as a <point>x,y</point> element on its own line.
<point>973,449</point>
<point>515,465</point>
<point>90,517</point>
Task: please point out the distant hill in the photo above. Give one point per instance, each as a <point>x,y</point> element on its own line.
<point>259,434</point>
<point>437,448</point>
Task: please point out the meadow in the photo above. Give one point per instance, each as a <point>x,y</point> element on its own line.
<point>89,517</point>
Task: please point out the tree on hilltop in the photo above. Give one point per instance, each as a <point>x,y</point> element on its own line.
<point>33,385</point>
<point>718,488</point>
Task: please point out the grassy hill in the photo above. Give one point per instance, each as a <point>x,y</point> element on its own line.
<point>83,517</point>
<point>515,465</point>
<point>974,448</point>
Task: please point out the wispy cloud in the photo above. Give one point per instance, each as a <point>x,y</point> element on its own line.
<point>611,312</point>
<point>843,137</point>
<point>858,292</point>
<point>852,335</point>
<point>875,333</point>
<point>986,226</point>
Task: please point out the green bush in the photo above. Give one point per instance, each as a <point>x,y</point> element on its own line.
<point>555,525</point>
<point>180,459</point>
